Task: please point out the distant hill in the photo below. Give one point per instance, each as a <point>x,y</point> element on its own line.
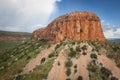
<point>10,39</point>
<point>14,34</point>
<point>114,40</point>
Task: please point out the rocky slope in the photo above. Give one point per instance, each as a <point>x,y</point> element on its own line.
<point>73,26</point>
<point>74,61</point>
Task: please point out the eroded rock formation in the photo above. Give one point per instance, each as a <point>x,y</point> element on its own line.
<point>73,26</point>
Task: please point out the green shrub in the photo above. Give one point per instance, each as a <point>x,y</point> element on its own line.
<point>42,60</point>
<point>28,57</point>
<point>115,48</point>
<point>93,56</point>
<point>93,49</point>
<point>58,63</point>
<point>75,70</point>
<point>68,79</point>
<point>118,64</point>
<point>68,63</point>
<point>58,45</point>
<point>78,42</point>
<point>78,49</point>
<point>71,49</point>
<point>72,53</point>
<point>73,42</point>
<point>75,66</point>
<point>84,53</point>
<point>92,68</point>
<point>49,46</point>
<point>114,78</point>
<point>106,72</point>
<point>43,40</point>
<point>110,56</point>
<point>79,78</point>
<point>19,77</point>
<point>84,48</point>
<point>51,55</point>
<point>68,72</point>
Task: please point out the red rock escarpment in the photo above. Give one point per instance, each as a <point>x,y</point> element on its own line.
<point>73,26</point>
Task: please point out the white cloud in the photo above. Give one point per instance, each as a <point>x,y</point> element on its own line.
<point>14,13</point>
<point>102,21</point>
<point>9,28</point>
<point>111,31</point>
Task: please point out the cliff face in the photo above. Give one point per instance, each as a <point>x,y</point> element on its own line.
<point>73,26</point>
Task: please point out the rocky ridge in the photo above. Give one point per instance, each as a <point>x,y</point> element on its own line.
<point>73,26</point>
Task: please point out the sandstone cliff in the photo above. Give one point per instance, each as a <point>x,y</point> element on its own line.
<point>73,26</point>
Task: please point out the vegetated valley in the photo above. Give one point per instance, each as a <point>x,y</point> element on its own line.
<point>9,40</point>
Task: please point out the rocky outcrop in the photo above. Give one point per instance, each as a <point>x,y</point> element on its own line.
<point>73,26</point>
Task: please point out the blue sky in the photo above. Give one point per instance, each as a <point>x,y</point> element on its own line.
<point>108,10</point>
<point>28,15</point>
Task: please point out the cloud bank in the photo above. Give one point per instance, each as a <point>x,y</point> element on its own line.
<point>110,30</point>
<point>25,15</point>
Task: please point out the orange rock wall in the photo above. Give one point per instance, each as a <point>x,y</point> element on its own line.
<point>73,26</point>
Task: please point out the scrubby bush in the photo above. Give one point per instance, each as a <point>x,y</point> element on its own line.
<point>84,53</point>
<point>72,53</point>
<point>79,78</point>
<point>68,63</point>
<point>93,56</point>
<point>110,56</point>
<point>75,70</point>
<point>58,45</point>
<point>75,66</point>
<point>71,49</point>
<point>78,49</point>
<point>93,49</point>
<point>73,42</point>
<point>43,40</point>
<point>113,78</point>
<point>19,77</point>
<point>106,72</point>
<point>92,68</point>
<point>28,57</point>
<point>118,64</point>
<point>84,48</point>
<point>51,55</point>
<point>49,46</point>
<point>78,42</point>
<point>68,72</point>
<point>58,63</point>
<point>42,60</point>
<point>68,79</point>
<point>115,48</point>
